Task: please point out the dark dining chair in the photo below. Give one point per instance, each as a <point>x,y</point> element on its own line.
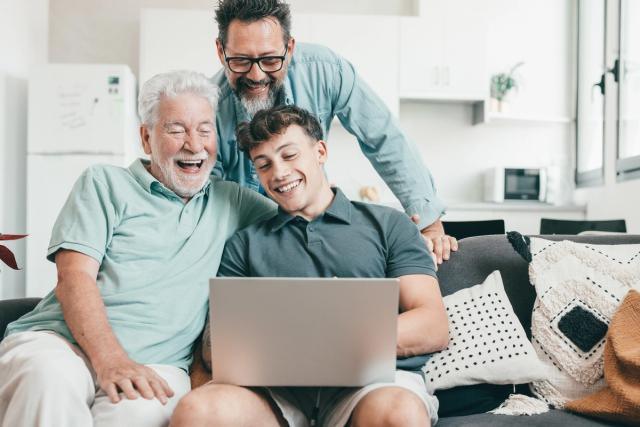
<point>566,226</point>
<point>462,229</point>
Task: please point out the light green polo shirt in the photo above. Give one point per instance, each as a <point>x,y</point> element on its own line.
<point>156,254</point>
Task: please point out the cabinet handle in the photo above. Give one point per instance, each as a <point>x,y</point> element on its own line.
<point>446,79</point>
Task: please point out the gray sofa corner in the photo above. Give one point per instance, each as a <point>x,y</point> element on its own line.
<point>475,259</point>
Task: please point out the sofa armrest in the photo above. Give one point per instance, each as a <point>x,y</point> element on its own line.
<point>12,309</point>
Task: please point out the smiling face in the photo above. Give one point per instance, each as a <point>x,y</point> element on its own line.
<point>256,89</point>
<point>182,143</point>
<point>289,166</point>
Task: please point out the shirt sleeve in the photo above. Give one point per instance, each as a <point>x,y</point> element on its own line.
<point>253,207</point>
<point>407,252</point>
<point>395,158</point>
<point>87,219</point>
<point>234,258</point>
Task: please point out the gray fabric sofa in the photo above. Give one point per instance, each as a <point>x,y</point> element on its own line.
<point>476,258</point>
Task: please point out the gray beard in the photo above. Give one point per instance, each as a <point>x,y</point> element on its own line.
<point>252,106</point>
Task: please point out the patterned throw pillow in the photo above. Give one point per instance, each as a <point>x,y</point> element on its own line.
<point>486,341</point>
<point>579,286</point>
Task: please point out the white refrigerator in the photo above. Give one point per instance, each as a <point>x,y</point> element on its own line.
<point>78,115</point>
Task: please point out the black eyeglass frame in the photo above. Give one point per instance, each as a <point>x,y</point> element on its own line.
<point>257,60</point>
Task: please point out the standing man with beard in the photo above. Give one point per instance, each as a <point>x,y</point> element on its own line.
<point>264,67</point>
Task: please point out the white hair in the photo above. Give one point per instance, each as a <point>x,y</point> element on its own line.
<point>172,84</point>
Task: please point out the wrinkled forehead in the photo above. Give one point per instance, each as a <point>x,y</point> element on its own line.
<point>185,108</point>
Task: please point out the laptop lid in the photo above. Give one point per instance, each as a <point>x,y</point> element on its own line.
<point>303,331</point>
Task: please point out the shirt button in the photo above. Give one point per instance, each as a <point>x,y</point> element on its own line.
<point>311,229</point>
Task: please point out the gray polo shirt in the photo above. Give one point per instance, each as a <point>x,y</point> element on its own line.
<point>350,239</point>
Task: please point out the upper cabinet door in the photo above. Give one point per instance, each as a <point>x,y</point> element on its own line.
<point>443,52</point>
<point>370,43</point>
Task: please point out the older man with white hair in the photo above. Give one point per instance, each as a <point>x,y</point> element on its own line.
<point>134,248</point>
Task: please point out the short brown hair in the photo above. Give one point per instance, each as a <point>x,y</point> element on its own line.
<point>275,121</point>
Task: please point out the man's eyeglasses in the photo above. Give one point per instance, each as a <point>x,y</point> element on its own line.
<point>243,64</point>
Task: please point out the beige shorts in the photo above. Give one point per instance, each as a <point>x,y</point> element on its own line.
<point>335,404</point>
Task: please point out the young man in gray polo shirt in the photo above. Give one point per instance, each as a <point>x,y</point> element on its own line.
<point>318,232</point>
<point>134,249</point>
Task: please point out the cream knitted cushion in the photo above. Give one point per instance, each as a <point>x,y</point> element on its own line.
<point>579,287</point>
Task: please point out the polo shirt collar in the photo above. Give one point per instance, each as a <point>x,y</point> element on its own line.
<point>340,209</point>
<point>150,183</point>
<point>141,174</point>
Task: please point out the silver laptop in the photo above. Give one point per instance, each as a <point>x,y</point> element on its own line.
<point>303,331</point>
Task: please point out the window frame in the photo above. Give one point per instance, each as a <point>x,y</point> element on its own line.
<point>627,168</point>
<point>593,177</point>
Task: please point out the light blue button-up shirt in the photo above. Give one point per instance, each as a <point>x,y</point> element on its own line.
<point>324,83</point>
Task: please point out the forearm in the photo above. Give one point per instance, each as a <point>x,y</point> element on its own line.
<point>423,326</point>
<point>421,331</point>
<point>396,159</point>
<point>85,315</point>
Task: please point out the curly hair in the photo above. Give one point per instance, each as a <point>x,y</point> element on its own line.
<point>275,121</point>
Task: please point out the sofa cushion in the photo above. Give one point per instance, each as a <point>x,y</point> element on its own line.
<point>472,399</point>
<point>619,400</point>
<point>487,343</point>
<point>475,259</point>
<point>579,288</point>
<point>12,309</point>
<point>553,418</point>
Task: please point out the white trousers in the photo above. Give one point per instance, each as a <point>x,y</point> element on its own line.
<point>47,382</point>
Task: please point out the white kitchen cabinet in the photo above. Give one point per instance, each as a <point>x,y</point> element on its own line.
<point>370,43</point>
<point>443,52</point>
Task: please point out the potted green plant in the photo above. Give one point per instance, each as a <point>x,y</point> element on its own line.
<point>6,256</point>
<point>501,85</point>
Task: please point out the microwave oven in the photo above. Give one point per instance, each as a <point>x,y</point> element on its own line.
<point>503,184</point>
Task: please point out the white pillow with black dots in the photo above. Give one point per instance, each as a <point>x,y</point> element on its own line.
<point>487,343</point>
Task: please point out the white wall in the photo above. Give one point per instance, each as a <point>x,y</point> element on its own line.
<point>456,152</point>
<point>538,32</point>
<point>613,201</point>
<point>23,42</point>
<point>95,31</point>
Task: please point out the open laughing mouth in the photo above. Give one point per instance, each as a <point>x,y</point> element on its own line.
<point>289,187</point>
<point>190,166</point>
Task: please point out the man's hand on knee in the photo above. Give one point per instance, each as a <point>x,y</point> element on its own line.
<point>133,380</point>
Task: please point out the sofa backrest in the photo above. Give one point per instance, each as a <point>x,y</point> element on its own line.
<point>478,256</point>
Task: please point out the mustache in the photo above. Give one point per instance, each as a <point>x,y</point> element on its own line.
<point>246,82</point>
<point>185,157</point>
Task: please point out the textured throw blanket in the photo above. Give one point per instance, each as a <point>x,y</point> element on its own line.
<point>620,400</point>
